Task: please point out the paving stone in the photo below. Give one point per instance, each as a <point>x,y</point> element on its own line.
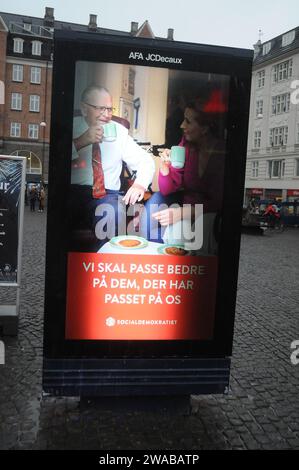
<point>260,412</point>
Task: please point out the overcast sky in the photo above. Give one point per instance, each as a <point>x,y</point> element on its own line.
<point>224,22</point>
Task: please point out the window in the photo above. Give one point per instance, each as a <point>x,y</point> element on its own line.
<point>281,103</point>
<point>35,75</point>
<point>257,139</point>
<point>36,48</point>
<point>297,167</point>
<point>33,131</point>
<point>33,163</point>
<point>259,108</point>
<point>34,103</point>
<point>288,38</point>
<point>255,169</point>
<point>266,48</point>
<point>17,73</point>
<point>260,78</point>
<point>15,129</point>
<point>18,45</point>
<point>27,26</point>
<point>276,168</point>
<point>297,138</point>
<point>278,136</point>
<point>282,71</point>
<point>16,101</point>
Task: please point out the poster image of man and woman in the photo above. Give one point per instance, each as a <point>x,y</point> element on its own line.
<point>148,158</point>
<point>145,201</point>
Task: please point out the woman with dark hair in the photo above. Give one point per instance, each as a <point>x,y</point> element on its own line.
<point>200,181</point>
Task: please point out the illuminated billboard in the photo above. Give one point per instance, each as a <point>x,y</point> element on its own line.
<point>148,147</point>
<point>142,278</point>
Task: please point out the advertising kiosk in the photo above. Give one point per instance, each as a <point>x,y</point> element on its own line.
<point>12,189</point>
<point>146,179</point>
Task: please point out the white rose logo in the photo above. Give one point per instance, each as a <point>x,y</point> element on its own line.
<point>110,321</point>
<point>7,268</point>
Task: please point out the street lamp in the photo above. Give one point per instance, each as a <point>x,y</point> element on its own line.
<point>43,126</point>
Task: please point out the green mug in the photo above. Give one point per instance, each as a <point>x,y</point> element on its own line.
<point>109,132</point>
<point>177,156</point>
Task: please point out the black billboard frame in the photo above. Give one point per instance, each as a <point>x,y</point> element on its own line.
<point>72,359</point>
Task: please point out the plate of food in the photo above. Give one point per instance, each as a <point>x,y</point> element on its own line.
<point>173,250</point>
<point>129,242</point>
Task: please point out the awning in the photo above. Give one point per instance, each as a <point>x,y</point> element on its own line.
<point>293,192</point>
<point>256,191</point>
<point>33,178</point>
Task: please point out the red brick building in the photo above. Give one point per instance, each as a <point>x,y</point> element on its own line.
<point>26,55</point>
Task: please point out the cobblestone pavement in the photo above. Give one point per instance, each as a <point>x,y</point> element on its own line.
<point>260,412</point>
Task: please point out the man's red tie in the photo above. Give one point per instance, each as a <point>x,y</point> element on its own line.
<point>98,189</point>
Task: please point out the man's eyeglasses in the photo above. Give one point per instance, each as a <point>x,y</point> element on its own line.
<point>102,109</point>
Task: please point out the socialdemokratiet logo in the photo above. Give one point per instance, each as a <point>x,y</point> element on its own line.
<point>110,321</point>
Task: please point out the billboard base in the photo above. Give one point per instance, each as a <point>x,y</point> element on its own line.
<point>135,377</point>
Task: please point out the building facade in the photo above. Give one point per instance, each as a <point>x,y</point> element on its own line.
<point>272,170</point>
<point>26,56</point>
<point>26,70</point>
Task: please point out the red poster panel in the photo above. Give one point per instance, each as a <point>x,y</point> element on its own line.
<point>121,297</point>
<point>256,191</point>
<point>293,192</point>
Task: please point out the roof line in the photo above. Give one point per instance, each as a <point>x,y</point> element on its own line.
<point>296,28</point>
<point>41,18</point>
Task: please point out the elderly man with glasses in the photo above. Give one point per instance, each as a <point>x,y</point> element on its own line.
<point>97,164</point>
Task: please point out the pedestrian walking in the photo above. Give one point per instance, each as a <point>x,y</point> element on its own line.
<point>26,195</point>
<point>41,199</point>
<point>32,198</point>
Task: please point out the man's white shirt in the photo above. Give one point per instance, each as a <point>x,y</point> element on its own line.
<point>113,153</point>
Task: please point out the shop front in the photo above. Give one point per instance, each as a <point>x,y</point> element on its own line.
<point>273,194</point>
<point>292,195</point>
<point>253,193</point>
